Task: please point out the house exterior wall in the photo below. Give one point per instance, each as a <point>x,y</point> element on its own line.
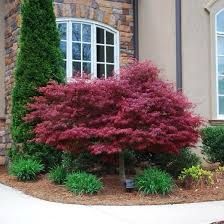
<point>158,43</point>
<point>196,48</point>
<point>157,35</point>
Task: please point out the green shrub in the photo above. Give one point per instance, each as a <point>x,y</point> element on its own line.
<point>57,175</point>
<point>154,181</point>
<point>175,163</point>
<point>37,63</point>
<point>83,183</point>
<point>195,176</point>
<point>25,169</point>
<point>213,143</point>
<point>44,154</point>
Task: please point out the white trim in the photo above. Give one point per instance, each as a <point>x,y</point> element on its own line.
<point>217,34</point>
<point>93,42</point>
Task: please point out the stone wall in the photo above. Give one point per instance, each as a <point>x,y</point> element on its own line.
<point>12,23</point>
<point>2,141</point>
<point>115,13</point>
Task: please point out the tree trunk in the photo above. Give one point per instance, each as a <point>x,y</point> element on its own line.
<point>122,167</point>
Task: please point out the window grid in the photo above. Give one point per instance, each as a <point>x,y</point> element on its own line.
<point>219,71</point>
<point>93,45</point>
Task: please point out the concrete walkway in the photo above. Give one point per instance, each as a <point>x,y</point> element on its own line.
<point>17,208</point>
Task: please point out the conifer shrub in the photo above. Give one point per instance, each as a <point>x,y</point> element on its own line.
<point>213,143</point>
<point>39,60</point>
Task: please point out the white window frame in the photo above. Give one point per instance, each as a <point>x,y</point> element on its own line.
<point>94,25</point>
<point>218,34</point>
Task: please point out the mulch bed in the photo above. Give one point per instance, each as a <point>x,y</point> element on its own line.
<point>113,193</point>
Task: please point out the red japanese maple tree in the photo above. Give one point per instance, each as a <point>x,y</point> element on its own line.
<point>138,111</point>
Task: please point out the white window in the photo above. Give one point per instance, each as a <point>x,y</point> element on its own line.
<point>88,47</point>
<point>220,63</point>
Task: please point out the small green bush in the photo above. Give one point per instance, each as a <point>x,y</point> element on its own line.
<point>25,169</point>
<point>175,163</point>
<point>83,183</point>
<point>57,175</point>
<point>154,181</point>
<point>195,176</point>
<point>213,143</point>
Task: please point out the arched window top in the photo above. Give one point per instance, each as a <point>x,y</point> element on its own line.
<point>220,21</point>
<point>89,47</point>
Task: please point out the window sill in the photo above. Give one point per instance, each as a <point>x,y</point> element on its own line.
<point>216,122</point>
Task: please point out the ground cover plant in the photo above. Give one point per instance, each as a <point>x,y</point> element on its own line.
<point>25,169</point>
<point>57,175</point>
<point>195,176</point>
<point>138,111</point>
<point>154,181</point>
<point>83,183</point>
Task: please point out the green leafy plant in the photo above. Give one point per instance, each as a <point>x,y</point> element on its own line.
<point>38,62</point>
<point>57,175</point>
<point>213,143</point>
<point>154,181</point>
<point>25,169</point>
<point>175,163</point>
<point>195,176</point>
<point>83,183</point>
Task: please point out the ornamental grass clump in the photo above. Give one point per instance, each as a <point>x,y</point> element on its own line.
<point>57,175</point>
<point>154,181</point>
<point>83,183</point>
<point>25,169</point>
<point>195,177</point>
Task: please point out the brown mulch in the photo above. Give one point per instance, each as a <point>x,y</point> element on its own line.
<point>112,194</point>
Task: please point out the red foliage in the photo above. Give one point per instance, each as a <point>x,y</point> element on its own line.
<point>137,111</point>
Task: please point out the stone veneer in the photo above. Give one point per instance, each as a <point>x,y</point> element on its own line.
<point>115,13</point>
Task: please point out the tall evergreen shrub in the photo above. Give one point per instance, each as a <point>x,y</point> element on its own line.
<point>39,60</point>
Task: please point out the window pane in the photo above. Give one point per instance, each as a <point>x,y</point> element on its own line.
<point>110,38</point>
<point>220,22</point>
<point>221,105</point>
<point>100,35</point>
<point>100,54</point>
<point>221,65</point>
<point>63,48</point>
<point>110,69</point>
<point>87,52</point>
<point>76,67</point>
<point>87,68</point>
<point>100,71</point>
<point>76,32</point>
<point>62,31</point>
<point>86,33</point>
<point>110,54</point>
<point>221,85</point>
<point>221,45</point>
<point>76,51</point>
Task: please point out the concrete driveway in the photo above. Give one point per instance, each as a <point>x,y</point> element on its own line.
<point>17,208</point>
